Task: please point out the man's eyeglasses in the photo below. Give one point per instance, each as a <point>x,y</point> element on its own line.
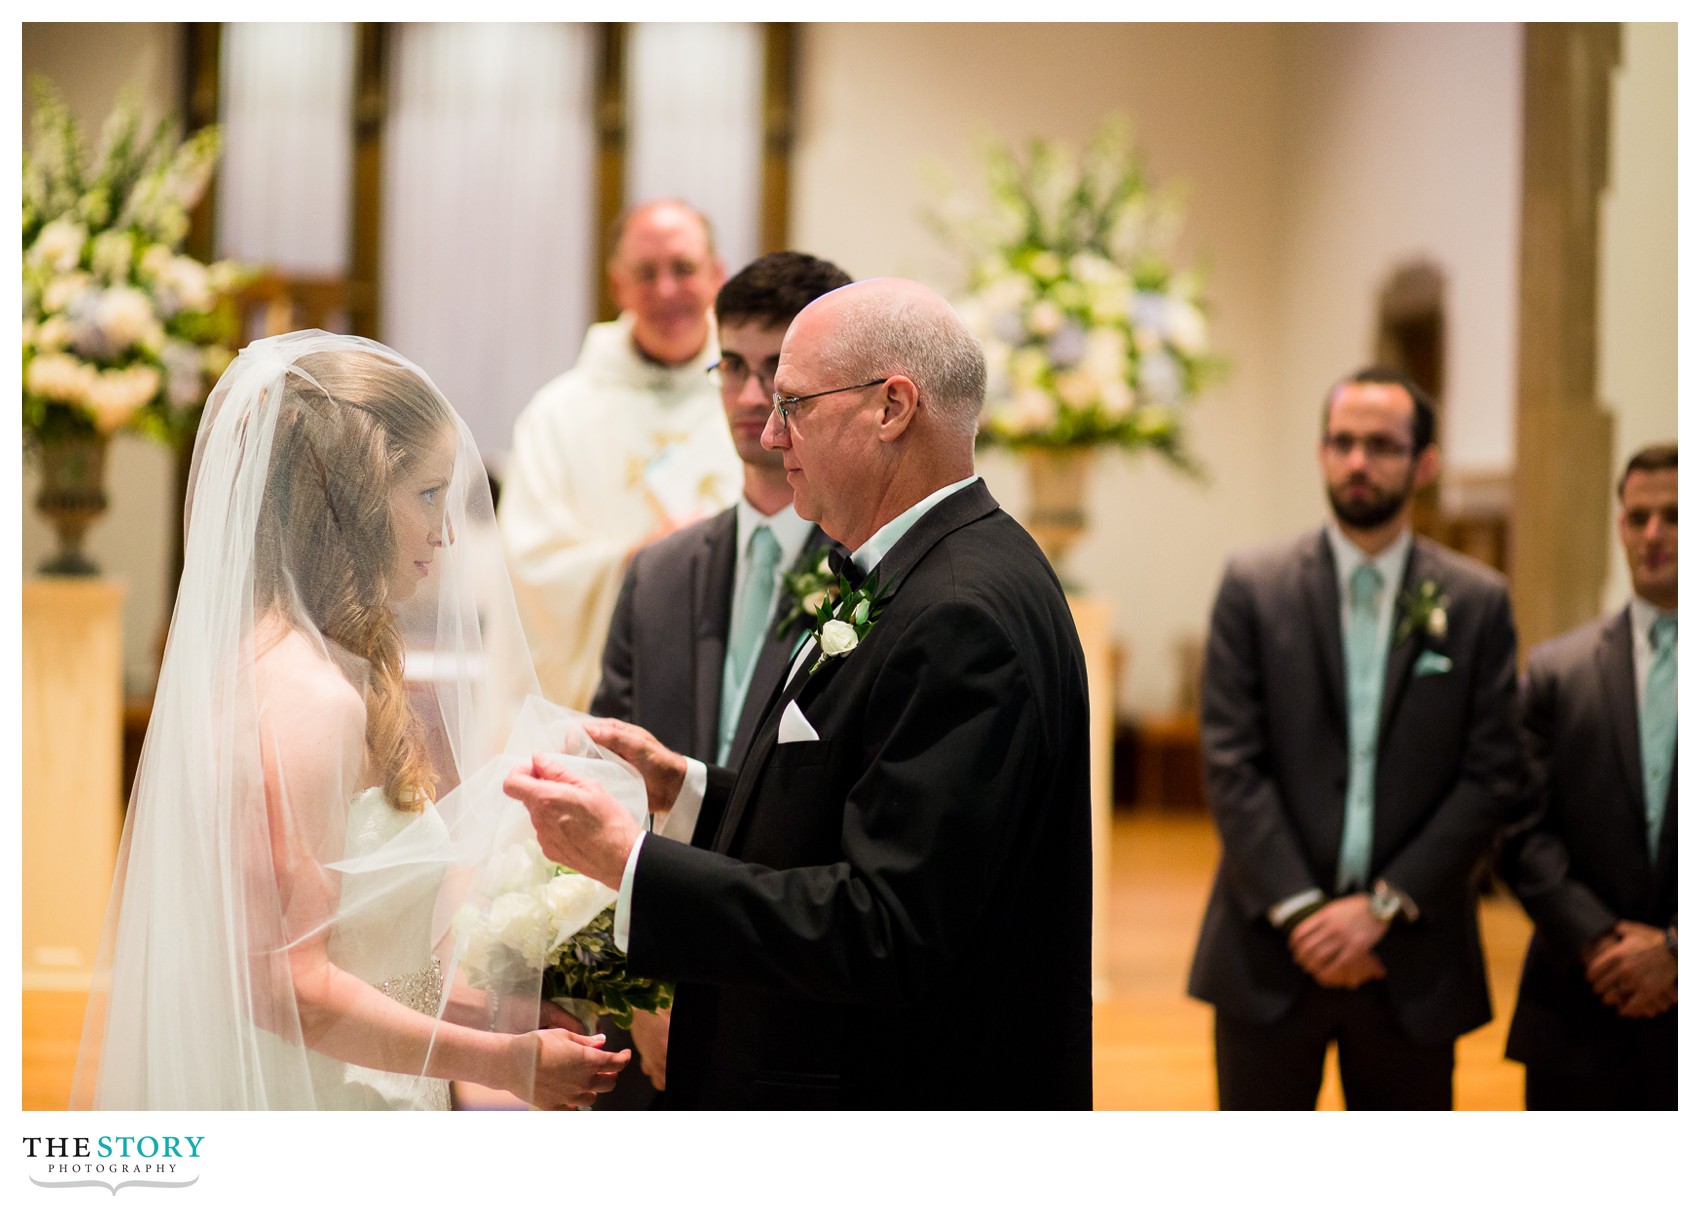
<point>1375,446</point>
<point>735,372</point>
<point>786,405</point>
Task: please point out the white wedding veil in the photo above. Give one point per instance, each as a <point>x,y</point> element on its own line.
<point>318,797</point>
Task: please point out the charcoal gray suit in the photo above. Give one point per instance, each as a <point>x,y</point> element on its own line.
<point>1579,863</point>
<point>1274,736</point>
<point>666,646</point>
<point>661,670</point>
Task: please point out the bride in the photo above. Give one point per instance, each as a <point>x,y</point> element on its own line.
<point>308,815</point>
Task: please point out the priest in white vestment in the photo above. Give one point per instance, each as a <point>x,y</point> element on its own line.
<point>624,448</point>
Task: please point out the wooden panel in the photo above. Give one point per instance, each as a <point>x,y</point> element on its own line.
<point>73,712</point>
<point>1092,621</point>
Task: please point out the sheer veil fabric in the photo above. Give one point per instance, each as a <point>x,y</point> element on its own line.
<point>318,801</point>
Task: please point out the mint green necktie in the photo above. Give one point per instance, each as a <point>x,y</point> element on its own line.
<point>1658,726</point>
<point>743,642</point>
<point>1365,671</point>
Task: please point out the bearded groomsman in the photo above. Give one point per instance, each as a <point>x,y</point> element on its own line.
<point>699,640</point>
<point>1594,861</point>
<point>1360,755</point>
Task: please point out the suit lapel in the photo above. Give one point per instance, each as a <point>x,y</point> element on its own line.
<point>954,512</point>
<point>1402,654</point>
<point>1322,599</point>
<point>1614,662</point>
<point>711,585</point>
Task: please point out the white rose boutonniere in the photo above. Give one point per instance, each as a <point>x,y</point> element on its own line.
<point>1423,613</point>
<point>842,624</point>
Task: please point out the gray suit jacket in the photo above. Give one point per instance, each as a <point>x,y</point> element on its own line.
<point>1273,730</point>
<point>666,646</point>
<point>1578,860</point>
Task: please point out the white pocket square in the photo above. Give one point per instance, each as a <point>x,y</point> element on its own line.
<point>795,726</point>
<point>1432,662</point>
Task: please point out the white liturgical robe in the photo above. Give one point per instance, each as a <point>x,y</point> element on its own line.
<point>602,456</point>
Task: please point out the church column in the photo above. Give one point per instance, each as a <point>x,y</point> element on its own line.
<point>1564,437</point>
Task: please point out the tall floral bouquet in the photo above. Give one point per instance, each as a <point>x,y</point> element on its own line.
<point>1092,334</point>
<point>121,330</point>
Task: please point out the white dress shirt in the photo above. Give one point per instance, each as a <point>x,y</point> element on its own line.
<point>681,820</point>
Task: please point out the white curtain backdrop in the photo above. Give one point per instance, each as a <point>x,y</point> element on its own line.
<point>693,125</point>
<point>283,183</point>
<point>488,200</point>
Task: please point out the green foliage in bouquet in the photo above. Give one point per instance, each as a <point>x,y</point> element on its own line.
<point>591,968</point>
<point>120,329</point>
<point>1093,335</point>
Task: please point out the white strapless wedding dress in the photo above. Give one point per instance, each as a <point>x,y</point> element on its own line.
<point>383,935</point>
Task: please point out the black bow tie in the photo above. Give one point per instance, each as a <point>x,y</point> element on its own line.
<point>838,559</point>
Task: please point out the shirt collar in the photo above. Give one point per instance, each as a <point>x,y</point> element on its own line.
<point>1390,563</point>
<point>1642,614</point>
<point>791,530</point>
<point>869,554</point>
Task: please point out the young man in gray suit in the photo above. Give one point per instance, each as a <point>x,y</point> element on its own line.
<point>1360,754</point>
<point>694,648</point>
<point>1594,861</point>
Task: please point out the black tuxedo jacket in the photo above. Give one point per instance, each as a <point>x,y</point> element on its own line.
<point>928,856</point>
<point>1578,860</point>
<point>666,646</point>
<point>1273,731</point>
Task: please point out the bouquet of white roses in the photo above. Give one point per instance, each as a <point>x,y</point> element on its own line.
<point>542,917</point>
<point>1092,334</point>
<point>120,329</point>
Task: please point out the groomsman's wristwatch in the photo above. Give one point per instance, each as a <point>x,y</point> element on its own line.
<point>1386,902</point>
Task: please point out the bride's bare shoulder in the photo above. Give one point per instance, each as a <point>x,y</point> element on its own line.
<point>298,679</point>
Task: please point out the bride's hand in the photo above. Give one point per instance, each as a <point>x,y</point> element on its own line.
<point>663,770</point>
<point>564,1070</point>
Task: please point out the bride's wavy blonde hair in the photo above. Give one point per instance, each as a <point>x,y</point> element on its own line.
<point>349,425</point>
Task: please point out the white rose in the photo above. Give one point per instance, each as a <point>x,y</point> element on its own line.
<point>838,638</point>
<point>60,377</point>
<point>116,395</point>
<point>1187,328</point>
<point>517,921</point>
<point>59,245</point>
<point>571,900</point>
<point>1033,411</point>
<point>1116,397</point>
<point>1076,389</point>
<point>1437,622</point>
<point>1044,317</point>
<point>126,316</point>
<point>64,291</point>
<point>110,256</point>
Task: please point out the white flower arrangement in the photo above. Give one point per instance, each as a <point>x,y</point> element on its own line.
<point>121,330</point>
<point>549,930</point>
<point>1092,335</point>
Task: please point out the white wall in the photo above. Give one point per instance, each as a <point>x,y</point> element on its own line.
<point>90,63</point>
<point>1638,341</point>
<point>1400,143</point>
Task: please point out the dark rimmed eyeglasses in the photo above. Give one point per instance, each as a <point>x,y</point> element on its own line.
<point>786,405</point>
<point>1375,446</point>
<point>735,372</point>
